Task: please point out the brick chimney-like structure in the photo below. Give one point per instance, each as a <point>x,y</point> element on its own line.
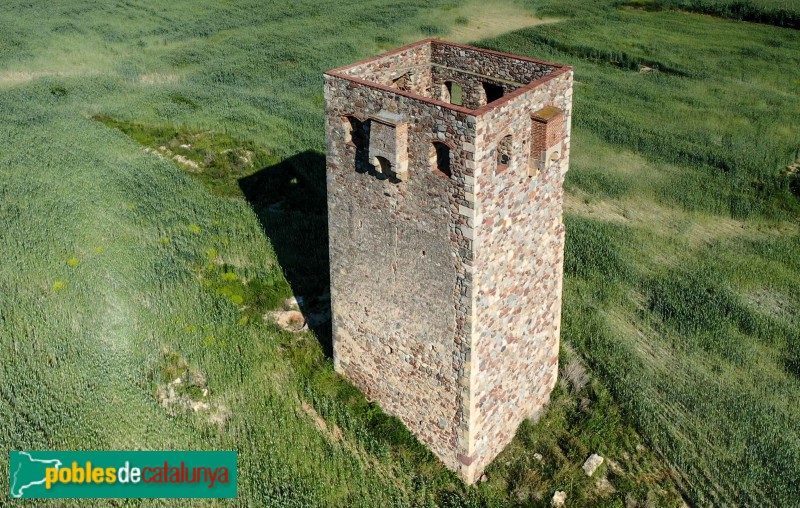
<point>445,173</point>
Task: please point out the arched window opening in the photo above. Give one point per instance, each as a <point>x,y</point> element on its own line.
<point>493,92</point>
<point>383,167</point>
<point>503,155</point>
<point>440,158</point>
<point>454,92</point>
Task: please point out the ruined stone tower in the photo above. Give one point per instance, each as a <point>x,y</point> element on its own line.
<point>445,174</point>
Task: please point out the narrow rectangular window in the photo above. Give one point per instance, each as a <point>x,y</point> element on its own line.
<point>455,91</point>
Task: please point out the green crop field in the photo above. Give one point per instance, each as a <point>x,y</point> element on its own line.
<point>162,189</point>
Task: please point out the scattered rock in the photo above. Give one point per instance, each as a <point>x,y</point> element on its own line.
<point>197,379</point>
<point>645,69</point>
<point>483,478</point>
<point>291,320</point>
<point>592,463</point>
<point>559,498</point>
<point>154,152</point>
<point>186,392</point>
<point>197,405</point>
<point>186,146</point>
<point>538,456</point>
<point>185,161</point>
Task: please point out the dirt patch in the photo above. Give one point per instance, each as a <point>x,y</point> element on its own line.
<point>477,20</point>
<point>772,303</point>
<point>485,20</point>
<point>16,77</point>
<point>158,78</point>
<point>695,228</point>
<point>12,78</point>
<point>334,434</point>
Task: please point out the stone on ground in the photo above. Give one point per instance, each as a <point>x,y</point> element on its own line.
<point>558,498</point>
<point>592,463</point>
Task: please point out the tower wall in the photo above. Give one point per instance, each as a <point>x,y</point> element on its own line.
<point>397,252</point>
<point>519,252</point>
<point>446,288</point>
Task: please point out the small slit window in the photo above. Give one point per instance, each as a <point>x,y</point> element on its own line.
<point>440,158</point>
<point>503,154</point>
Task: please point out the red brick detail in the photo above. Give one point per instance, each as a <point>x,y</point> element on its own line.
<point>547,130</point>
<point>465,459</point>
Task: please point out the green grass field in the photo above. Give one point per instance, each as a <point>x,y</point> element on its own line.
<point>122,267</point>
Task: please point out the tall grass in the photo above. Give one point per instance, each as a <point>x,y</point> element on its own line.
<point>780,13</point>
<point>695,333</point>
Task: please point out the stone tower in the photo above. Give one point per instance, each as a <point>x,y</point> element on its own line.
<point>445,173</point>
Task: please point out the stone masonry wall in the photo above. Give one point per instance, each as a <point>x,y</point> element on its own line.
<point>446,290</point>
<point>414,62</point>
<point>489,64</point>
<point>474,96</point>
<point>400,281</point>
<point>519,246</point>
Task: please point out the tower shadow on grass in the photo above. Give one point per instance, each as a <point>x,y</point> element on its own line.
<point>290,199</point>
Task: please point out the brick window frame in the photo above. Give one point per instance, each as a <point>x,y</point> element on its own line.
<point>547,135</point>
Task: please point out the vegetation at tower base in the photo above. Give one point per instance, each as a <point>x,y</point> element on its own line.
<point>688,321</point>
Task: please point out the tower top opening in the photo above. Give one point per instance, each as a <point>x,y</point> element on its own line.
<point>436,71</point>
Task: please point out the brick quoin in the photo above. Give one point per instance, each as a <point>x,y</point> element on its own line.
<point>447,239</point>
